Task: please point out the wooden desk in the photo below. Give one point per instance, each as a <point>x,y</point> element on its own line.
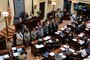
<point>44,42</point>
<point>32,22</point>
<point>9,51</point>
<point>56,51</point>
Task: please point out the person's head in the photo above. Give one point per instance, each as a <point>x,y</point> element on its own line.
<point>81,48</point>
<point>38,23</point>
<point>18,31</point>
<point>21,53</point>
<point>34,29</point>
<point>26,31</point>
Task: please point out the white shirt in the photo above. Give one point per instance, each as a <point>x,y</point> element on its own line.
<point>83,52</point>
<point>19,35</point>
<point>88,25</point>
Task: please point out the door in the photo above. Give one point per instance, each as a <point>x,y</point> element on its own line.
<point>67,9</point>
<point>42,9</point>
<point>18,7</point>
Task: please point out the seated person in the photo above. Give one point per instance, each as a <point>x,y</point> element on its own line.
<point>88,25</point>
<point>82,51</point>
<point>88,49</point>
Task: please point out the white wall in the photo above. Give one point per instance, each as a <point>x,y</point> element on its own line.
<point>3,5</point>
<point>48,7</point>
<point>28,6</point>
<point>85,1</point>
<point>12,10</point>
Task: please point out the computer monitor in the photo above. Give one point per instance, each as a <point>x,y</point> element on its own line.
<point>19,49</point>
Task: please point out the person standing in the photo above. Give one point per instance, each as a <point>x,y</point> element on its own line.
<point>27,38</point>
<point>40,33</point>
<point>19,38</point>
<point>33,34</point>
<point>46,29</point>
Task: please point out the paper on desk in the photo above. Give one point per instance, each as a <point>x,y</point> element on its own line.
<point>87,29</point>
<point>39,46</point>
<point>65,26</point>
<point>81,34</point>
<point>46,38</point>
<point>72,50</point>
<point>81,42</point>
<point>16,54</point>
<point>50,41</point>
<point>74,39</point>
<point>59,31</point>
<point>63,56</point>
<point>66,46</point>
<point>6,56</point>
<point>14,48</point>
<point>62,48</point>
<point>40,39</point>
<point>88,39</point>
<point>56,33</point>
<point>62,28</point>
<point>60,54</point>
<point>52,53</point>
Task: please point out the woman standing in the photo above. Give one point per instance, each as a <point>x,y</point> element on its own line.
<point>19,38</point>
<point>27,37</point>
<point>33,34</point>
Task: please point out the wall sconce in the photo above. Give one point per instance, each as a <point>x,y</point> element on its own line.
<point>54,3</point>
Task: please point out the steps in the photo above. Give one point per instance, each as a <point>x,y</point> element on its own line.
<point>11,31</point>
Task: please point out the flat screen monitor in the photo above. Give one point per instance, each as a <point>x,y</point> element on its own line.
<point>19,49</point>
<point>79,6</point>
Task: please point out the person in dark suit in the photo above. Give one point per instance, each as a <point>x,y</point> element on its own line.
<point>45,28</point>
<point>40,32</point>
<point>19,38</point>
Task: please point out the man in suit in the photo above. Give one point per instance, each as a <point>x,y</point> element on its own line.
<point>40,32</point>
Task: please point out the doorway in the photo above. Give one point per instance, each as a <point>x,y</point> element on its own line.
<point>18,7</point>
<point>67,9</point>
<point>42,9</point>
